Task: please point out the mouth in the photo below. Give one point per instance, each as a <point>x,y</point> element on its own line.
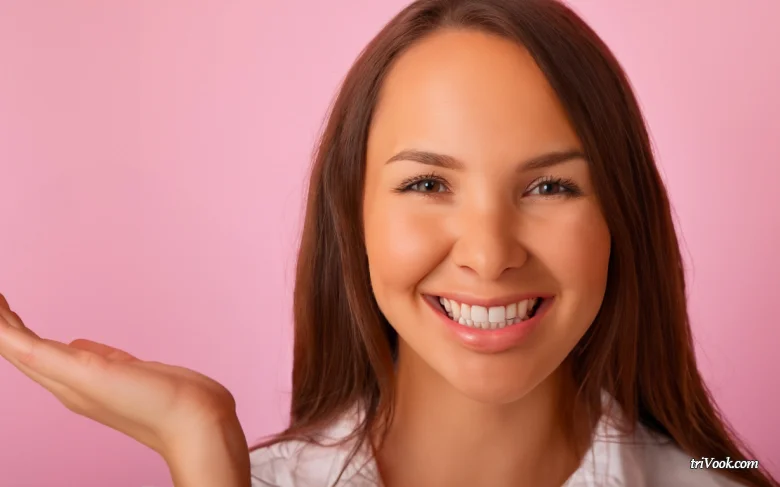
<point>480,317</point>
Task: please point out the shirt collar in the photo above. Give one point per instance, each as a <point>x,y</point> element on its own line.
<point>609,461</point>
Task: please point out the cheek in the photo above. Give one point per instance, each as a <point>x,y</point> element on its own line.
<point>575,249</point>
<point>403,245</point>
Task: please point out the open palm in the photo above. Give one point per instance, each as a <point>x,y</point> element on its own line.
<point>151,402</point>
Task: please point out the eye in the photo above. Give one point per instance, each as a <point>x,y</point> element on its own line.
<point>554,187</point>
<point>547,188</point>
<point>428,186</point>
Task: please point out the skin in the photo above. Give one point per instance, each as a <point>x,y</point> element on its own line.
<point>186,417</point>
<point>488,229</point>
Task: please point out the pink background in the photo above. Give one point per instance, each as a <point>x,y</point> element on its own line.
<point>152,159</point>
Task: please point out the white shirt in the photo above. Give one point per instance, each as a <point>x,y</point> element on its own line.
<point>644,460</point>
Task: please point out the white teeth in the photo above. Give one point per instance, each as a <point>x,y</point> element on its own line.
<point>455,311</point>
<point>465,311</point>
<point>495,317</point>
<point>479,314</point>
<point>522,309</point>
<point>511,311</point>
<point>497,314</point>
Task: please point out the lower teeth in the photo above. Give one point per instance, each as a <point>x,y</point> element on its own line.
<point>488,326</point>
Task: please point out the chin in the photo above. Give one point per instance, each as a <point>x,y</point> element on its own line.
<point>494,385</point>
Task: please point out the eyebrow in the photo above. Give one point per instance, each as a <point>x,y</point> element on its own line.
<point>448,162</point>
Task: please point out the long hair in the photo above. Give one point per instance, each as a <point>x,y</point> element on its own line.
<point>639,349</point>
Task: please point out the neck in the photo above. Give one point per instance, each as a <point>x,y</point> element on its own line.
<point>438,436</point>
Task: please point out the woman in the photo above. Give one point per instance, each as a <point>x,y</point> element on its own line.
<point>489,287</point>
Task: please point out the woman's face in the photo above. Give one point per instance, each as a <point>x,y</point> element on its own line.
<point>477,192</point>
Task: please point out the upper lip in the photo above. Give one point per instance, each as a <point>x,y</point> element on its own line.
<point>505,300</point>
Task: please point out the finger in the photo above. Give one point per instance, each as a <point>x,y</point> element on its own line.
<point>19,320</point>
<point>106,351</point>
<point>53,360</point>
<point>54,365</point>
<point>10,348</point>
<point>52,386</point>
<point>4,303</point>
<point>10,316</point>
<point>62,370</point>
<point>66,395</point>
<point>13,319</point>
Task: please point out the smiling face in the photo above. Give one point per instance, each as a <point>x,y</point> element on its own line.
<point>476,190</point>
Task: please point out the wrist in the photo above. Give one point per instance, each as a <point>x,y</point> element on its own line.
<point>210,455</point>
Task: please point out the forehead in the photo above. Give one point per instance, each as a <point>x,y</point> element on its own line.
<point>471,94</point>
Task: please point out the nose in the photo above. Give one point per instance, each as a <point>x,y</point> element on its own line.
<point>488,243</point>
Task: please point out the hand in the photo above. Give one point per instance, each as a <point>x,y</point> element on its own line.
<point>162,406</point>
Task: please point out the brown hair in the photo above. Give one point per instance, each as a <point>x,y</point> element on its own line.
<point>639,349</point>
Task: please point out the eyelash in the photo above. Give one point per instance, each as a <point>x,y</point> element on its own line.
<point>569,187</point>
<point>406,184</point>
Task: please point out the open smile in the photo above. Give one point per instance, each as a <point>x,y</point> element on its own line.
<point>490,326</point>
<point>490,317</point>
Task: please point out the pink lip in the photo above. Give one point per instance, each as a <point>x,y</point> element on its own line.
<point>492,341</point>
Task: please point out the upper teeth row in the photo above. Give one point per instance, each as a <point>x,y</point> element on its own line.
<point>492,317</point>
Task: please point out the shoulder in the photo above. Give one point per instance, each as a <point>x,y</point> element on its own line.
<point>273,465</point>
<point>664,463</point>
<point>306,464</point>
<point>265,465</point>
<point>301,464</point>
<point>642,459</point>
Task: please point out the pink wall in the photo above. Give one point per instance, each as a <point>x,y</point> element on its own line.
<point>152,156</point>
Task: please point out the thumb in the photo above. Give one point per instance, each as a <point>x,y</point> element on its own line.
<point>105,351</point>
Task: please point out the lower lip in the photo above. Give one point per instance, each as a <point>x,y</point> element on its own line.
<point>493,341</point>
